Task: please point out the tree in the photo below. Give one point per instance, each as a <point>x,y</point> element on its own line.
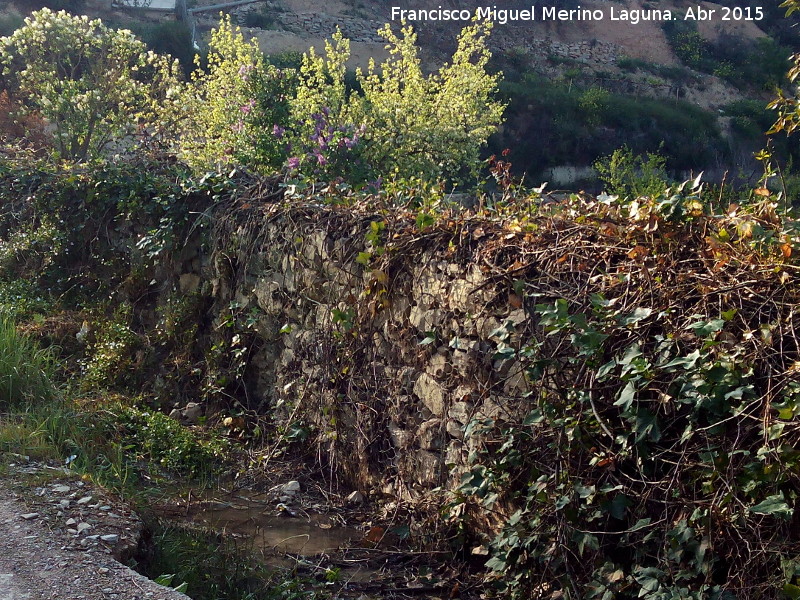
<point>430,126</point>
<point>788,107</point>
<point>92,84</point>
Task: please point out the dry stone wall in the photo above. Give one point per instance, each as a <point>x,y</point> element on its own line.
<point>385,354</point>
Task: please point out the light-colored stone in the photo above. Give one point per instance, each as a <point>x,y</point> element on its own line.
<point>291,488</point>
<point>81,527</point>
<point>355,498</point>
<point>401,438</point>
<point>192,413</point>
<point>461,411</point>
<point>60,488</point>
<point>431,393</point>
<point>84,500</point>
<point>30,516</point>
<point>427,467</point>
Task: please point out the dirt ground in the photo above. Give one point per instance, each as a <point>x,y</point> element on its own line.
<point>39,559</point>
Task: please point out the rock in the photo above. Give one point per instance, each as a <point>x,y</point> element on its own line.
<point>84,500</point>
<point>431,393</point>
<point>111,538</point>
<point>61,489</point>
<point>70,522</point>
<point>81,527</point>
<point>429,434</point>
<point>30,516</point>
<point>355,498</point>
<point>291,488</point>
<point>401,438</point>
<point>455,430</point>
<point>461,411</point>
<point>64,503</point>
<point>175,414</point>
<point>192,413</point>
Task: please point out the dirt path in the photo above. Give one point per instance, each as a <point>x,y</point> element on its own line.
<point>37,562</point>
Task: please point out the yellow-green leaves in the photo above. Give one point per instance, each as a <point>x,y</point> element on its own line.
<point>92,84</point>
<point>434,125</point>
<point>216,104</point>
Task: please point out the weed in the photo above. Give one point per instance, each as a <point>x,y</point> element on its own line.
<point>25,369</point>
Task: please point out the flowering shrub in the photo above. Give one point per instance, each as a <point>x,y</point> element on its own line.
<point>92,84</point>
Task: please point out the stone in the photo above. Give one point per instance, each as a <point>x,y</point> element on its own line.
<point>81,527</point>
<point>84,500</point>
<point>64,503</point>
<point>401,438</point>
<point>61,489</point>
<point>455,430</point>
<point>111,538</point>
<point>30,516</point>
<point>189,283</point>
<point>70,522</point>
<point>175,414</point>
<point>291,488</point>
<point>461,411</point>
<point>192,413</point>
<point>431,393</point>
<point>355,498</point>
<point>429,434</point>
<point>427,467</point>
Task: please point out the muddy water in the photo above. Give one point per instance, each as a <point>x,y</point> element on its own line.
<point>267,527</point>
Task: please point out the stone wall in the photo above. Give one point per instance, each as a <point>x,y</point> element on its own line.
<point>386,358</point>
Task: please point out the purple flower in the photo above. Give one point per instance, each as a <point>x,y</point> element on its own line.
<point>244,71</point>
<point>321,159</point>
<point>350,142</point>
<point>248,107</point>
<point>293,162</point>
<point>278,131</point>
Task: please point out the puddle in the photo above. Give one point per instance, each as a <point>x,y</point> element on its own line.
<point>265,526</point>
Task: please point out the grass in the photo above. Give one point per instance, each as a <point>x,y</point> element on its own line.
<point>25,369</point>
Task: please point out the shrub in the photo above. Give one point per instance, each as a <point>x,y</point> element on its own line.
<point>92,84</point>
<point>632,176</point>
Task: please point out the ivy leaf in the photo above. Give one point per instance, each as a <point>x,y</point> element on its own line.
<point>703,329</point>
<point>773,505</point>
<point>534,417</point>
<point>626,396</point>
<point>792,591</point>
<point>638,314</point>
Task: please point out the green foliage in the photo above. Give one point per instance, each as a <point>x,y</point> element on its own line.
<point>112,358</point>
<point>260,19</point>
<point>25,369</point>
<point>155,438</point>
<point>757,64</point>
<point>432,126</point>
<point>214,127</point>
<point>629,176</point>
<point>546,126</point>
<point>173,38</point>
<point>392,122</point>
<point>92,84</point>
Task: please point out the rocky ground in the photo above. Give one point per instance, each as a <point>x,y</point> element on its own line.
<point>61,538</point>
